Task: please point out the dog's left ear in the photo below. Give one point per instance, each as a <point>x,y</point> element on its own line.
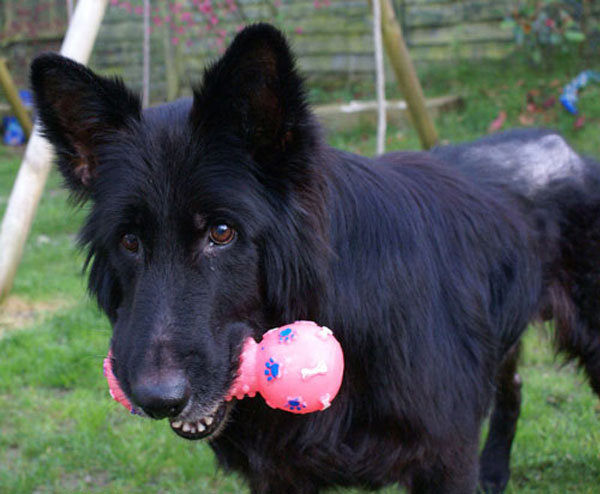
<point>255,92</point>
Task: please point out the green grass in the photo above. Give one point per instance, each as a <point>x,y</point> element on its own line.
<point>61,433</point>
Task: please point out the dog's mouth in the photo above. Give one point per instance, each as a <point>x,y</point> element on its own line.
<point>191,427</point>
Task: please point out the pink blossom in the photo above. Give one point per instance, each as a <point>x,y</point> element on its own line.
<point>174,40</point>
<point>180,29</point>
<point>114,2</point>
<point>186,16</point>
<point>139,10</point>
<point>157,20</point>
<point>189,42</point>
<point>299,30</point>
<point>214,20</point>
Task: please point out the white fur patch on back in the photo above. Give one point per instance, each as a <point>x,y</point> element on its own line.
<point>537,162</point>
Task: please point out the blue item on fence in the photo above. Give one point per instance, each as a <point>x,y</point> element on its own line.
<point>569,96</point>
<point>13,133</point>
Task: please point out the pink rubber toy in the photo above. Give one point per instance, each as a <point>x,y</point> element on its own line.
<point>297,367</point>
<point>113,385</point>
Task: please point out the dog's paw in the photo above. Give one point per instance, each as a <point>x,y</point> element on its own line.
<point>493,481</point>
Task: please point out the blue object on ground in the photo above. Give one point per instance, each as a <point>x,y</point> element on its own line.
<point>13,133</point>
<point>569,96</point>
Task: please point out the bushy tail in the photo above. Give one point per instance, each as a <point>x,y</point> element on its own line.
<point>571,212</point>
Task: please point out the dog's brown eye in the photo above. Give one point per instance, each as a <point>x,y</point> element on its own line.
<point>221,234</point>
<point>130,242</point>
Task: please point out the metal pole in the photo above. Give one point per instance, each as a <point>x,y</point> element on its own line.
<point>146,57</point>
<point>380,78</point>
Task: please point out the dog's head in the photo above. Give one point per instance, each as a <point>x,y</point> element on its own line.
<point>205,221</point>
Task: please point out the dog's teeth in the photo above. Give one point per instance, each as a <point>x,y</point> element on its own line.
<point>201,427</point>
<point>186,427</point>
<point>192,429</point>
<point>208,420</point>
<point>176,424</point>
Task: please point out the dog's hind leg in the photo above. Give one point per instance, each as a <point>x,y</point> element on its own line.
<point>494,470</point>
<point>590,359</point>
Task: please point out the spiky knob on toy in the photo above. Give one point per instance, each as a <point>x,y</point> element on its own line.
<point>297,367</point>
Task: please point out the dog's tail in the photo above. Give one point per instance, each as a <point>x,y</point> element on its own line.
<point>570,209</point>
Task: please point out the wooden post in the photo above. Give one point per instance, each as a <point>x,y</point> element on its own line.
<point>406,75</point>
<point>172,77</point>
<point>22,204</point>
<point>12,95</point>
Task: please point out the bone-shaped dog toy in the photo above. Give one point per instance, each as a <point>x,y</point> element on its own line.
<point>297,367</point>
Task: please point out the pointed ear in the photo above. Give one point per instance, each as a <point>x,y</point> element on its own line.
<point>255,92</point>
<point>78,111</point>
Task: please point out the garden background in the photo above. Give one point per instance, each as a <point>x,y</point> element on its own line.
<point>508,61</point>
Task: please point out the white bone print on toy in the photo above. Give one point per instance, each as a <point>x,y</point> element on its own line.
<point>320,368</point>
<point>324,332</point>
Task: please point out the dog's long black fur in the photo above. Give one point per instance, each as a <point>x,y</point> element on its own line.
<point>218,218</point>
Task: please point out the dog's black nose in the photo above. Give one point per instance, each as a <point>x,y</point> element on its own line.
<point>162,398</point>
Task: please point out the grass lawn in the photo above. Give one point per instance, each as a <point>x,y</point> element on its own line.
<point>61,433</point>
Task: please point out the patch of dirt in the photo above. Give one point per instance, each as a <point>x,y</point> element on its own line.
<point>18,313</point>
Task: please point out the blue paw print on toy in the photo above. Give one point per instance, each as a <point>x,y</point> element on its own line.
<point>295,404</point>
<point>286,335</point>
<point>271,369</point>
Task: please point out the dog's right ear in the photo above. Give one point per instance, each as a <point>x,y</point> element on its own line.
<point>78,111</point>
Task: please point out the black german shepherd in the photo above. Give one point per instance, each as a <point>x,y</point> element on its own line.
<point>217,218</point>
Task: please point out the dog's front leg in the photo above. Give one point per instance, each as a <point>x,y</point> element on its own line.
<point>456,471</point>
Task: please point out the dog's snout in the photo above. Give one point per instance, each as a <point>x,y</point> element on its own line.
<point>164,397</point>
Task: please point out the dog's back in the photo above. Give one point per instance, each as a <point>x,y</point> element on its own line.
<point>562,191</point>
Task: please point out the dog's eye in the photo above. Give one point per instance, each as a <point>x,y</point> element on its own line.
<point>221,234</point>
<point>130,242</point>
